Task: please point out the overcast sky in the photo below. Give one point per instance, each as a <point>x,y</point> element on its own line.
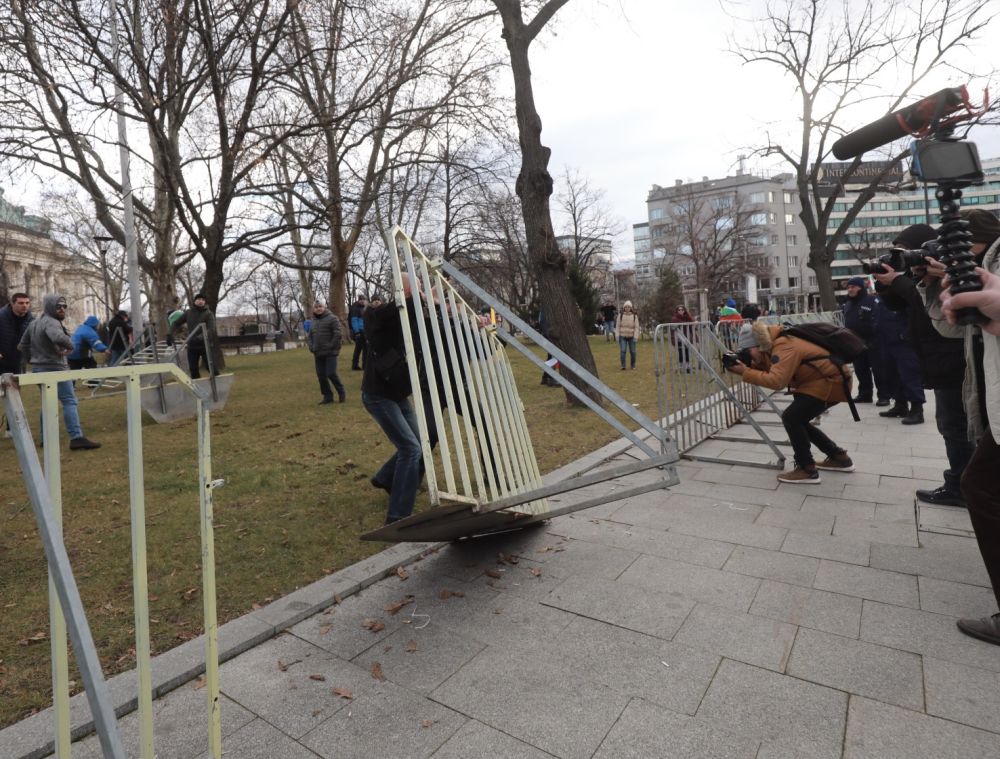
<point>644,92</point>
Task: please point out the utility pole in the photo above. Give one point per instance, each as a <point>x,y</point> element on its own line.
<point>103,246</point>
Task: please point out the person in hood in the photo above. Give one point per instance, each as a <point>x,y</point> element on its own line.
<point>781,360</point>
<point>198,343</point>
<point>45,345</point>
<point>120,331</point>
<point>85,342</point>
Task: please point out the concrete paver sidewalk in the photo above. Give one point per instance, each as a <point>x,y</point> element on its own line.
<point>727,617</point>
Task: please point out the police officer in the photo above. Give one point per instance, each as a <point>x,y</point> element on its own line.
<point>859,317</point>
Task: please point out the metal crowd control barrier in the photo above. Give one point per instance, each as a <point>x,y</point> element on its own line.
<point>497,484</point>
<point>66,610</point>
<point>700,402</point>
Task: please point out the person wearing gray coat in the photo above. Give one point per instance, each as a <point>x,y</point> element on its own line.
<point>324,342</point>
<point>45,345</point>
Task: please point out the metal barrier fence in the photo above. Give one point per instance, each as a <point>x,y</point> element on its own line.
<point>66,610</point>
<point>700,401</point>
<point>480,464</point>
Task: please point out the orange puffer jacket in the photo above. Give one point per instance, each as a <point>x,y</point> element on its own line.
<point>785,365</point>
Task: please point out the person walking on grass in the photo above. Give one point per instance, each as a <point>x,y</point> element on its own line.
<point>199,344</point>
<point>628,331</point>
<point>45,345</point>
<point>356,321</point>
<point>781,360</point>
<point>324,342</point>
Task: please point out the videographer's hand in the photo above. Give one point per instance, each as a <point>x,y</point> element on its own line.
<point>738,368</point>
<point>986,300</point>
<point>886,277</point>
<point>935,269</point>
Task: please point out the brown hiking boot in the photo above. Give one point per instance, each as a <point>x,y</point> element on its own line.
<point>800,476</point>
<point>839,463</point>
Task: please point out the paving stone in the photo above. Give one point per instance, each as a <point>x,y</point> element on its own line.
<point>955,599</point>
<point>881,731</point>
<point>259,740</point>
<point>885,674</point>
<point>656,542</point>
<point>663,513</point>
<point>876,531</point>
<point>582,558</point>
<point>500,619</point>
<point>946,519</point>
<point>180,726</point>
<point>740,476</point>
<point>381,722</point>
<point>701,584</point>
<point>644,610</point>
<point>806,607</point>
<point>275,682</point>
<point>474,739</point>
<point>889,490</point>
<point>672,675</point>
<point>966,695</point>
<point>894,512</point>
<point>420,658</point>
<point>864,582</point>
<point>796,521</point>
<point>958,562</point>
<point>734,635</point>
<point>827,547</point>
<point>773,565</point>
<point>742,494</point>
<point>788,716</point>
<point>926,633</point>
<point>834,507</point>
<point>535,699</point>
<point>646,731</point>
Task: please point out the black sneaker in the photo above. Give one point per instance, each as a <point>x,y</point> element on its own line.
<point>986,628</point>
<point>900,409</point>
<point>380,485</point>
<point>916,415</point>
<point>862,399</point>
<point>325,401</point>
<point>882,402</point>
<point>941,496</point>
<point>82,444</point>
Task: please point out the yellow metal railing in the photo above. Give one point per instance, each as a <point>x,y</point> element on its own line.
<point>49,516</point>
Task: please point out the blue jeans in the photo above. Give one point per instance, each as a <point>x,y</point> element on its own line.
<point>326,372</point>
<point>628,342</point>
<point>402,471</point>
<point>67,397</point>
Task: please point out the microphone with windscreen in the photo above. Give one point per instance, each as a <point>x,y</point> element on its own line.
<point>913,119</point>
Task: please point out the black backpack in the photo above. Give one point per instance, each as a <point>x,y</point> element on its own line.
<point>842,345</point>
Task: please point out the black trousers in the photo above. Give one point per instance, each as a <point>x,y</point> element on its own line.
<point>803,435</point>
<point>981,490</point>
<point>863,372</point>
<point>359,351</point>
<point>953,424</point>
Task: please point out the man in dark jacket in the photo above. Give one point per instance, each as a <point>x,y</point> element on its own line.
<point>120,335</point>
<point>859,317</point>
<point>14,319</point>
<point>198,343</point>
<point>45,344</point>
<point>324,342</point>
<point>356,321</point>
<point>942,364</point>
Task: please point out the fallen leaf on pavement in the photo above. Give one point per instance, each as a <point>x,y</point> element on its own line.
<point>325,629</point>
<point>536,572</point>
<point>393,608</point>
<point>425,723</point>
<point>446,594</point>
<point>402,573</point>
<point>494,573</point>
<point>373,624</point>
<point>377,671</point>
<point>318,678</point>
<point>342,693</point>
<point>411,646</point>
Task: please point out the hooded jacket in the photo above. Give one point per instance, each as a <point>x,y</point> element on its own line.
<point>12,328</point>
<point>796,364</point>
<point>976,342</point>
<point>46,342</point>
<point>85,339</point>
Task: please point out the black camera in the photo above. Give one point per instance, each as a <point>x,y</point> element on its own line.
<point>901,259</point>
<point>731,359</point>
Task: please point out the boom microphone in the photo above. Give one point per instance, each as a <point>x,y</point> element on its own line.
<point>909,120</point>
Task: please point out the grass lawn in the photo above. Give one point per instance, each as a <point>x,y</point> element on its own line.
<point>295,500</point>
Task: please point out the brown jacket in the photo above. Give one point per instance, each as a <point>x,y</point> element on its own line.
<point>785,365</point>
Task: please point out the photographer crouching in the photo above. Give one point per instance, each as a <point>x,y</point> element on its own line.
<point>778,360</point>
<point>981,393</point>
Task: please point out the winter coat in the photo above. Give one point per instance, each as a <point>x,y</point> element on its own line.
<point>118,331</point>
<point>195,316</point>
<point>796,364</point>
<point>324,335</point>
<point>628,325</point>
<point>386,373</point>
<point>942,359</point>
<point>989,345</point>
<point>859,316</point>
<point>85,339</point>
<point>11,330</point>
<point>46,342</point>
<point>356,319</point>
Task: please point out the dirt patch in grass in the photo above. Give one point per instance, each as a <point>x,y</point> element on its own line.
<point>295,500</point>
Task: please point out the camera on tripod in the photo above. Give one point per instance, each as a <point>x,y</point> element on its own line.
<point>900,259</point>
<point>938,157</point>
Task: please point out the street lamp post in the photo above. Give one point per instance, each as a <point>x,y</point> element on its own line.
<point>103,246</point>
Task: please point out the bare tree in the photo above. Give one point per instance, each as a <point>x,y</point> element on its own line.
<point>587,219</point>
<point>711,241</point>
<point>839,55</point>
<point>534,188</point>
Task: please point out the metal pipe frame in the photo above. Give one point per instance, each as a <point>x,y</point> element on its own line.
<point>66,607</point>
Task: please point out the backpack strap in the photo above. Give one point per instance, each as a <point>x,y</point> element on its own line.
<point>844,377</point>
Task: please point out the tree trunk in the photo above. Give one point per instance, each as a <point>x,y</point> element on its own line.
<point>824,277</point>
<point>534,188</point>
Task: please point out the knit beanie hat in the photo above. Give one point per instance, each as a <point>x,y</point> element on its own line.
<point>915,235</point>
<point>983,224</point>
<point>859,281</point>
